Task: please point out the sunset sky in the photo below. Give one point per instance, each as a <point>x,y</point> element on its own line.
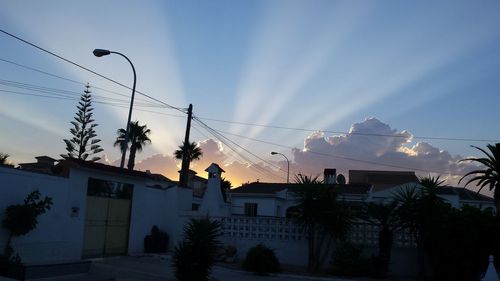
<point>405,78</point>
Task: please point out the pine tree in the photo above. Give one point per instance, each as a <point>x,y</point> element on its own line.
<point>84,142</point>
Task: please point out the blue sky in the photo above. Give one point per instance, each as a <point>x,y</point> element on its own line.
<point>431,68</point>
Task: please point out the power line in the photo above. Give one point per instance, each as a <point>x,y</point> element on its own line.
<point>89,70</point>
<point>347,133</point>
<point>226,121</point>
<point>225,140</point>
<point>65,97</point>
<point>66,79</point>
<point>342,157</point>
<point>60,92</point>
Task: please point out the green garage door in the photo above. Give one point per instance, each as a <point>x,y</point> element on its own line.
<point>107,218</point>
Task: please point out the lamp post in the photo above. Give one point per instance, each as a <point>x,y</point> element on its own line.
<point>288,162</point>
<point>99,53</point>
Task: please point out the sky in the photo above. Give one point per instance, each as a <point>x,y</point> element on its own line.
<point>308,79</point>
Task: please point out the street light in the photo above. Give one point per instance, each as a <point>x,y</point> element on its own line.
<point>99,53</point>
<point>288,162</point>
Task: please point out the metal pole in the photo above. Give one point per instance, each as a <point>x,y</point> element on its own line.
<point>127,130</point>
<point>288,165</point>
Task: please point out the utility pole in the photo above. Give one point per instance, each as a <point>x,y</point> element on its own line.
<point>183,180</point>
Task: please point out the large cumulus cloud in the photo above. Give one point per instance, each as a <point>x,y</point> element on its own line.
<point>374,145</point>
<point>370,144</point>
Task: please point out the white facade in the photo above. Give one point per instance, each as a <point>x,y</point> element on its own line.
<point>59,235</point>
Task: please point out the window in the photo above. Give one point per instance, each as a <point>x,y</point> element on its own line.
<point>251,209</point>
<point>195,207</point>
<point>104,188</point>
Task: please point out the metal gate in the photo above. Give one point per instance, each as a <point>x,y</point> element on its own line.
<point>107,218</point>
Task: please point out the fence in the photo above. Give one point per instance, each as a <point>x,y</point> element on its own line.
<point>282,229</point>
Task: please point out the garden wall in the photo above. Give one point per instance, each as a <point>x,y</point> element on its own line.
<point>291,248</point>
<point>58,234</point>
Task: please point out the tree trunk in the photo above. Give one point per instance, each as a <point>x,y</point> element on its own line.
<point>311,262</point>
<point>496,197</point>
<point>384,250</point>
<point>131,158</point>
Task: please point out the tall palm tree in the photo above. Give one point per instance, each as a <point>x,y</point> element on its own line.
<point>320,215</point>
<point>491,175</point>
<point>191,149</point>
<point>138,137</point>
<point>422,212</point>
<point>384,216</point>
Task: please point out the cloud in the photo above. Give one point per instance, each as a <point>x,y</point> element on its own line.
<point>374,145</point>
<point>161,164</point>
<point>369,145</point>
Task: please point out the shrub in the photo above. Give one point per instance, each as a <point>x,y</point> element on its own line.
<point>347,261</point>
<point>261,260</point>
<point>194,256</point>
<point>156,242</point>
<point>22,218</point>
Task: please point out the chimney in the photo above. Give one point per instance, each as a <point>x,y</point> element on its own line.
<point>330,176</point>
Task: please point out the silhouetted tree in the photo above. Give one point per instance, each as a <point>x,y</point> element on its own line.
<point>321,216</point>
<point>384,216</point>
<point>138,137</point>
<point>84,142</point>
<point>422,212</point>
<point>195,255</point>
<point>491,175</point>
<point>225,186</point>
<point>3,159</point>
<point>191,149</point>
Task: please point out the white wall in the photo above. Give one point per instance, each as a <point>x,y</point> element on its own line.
<point>150,206</point>
<point>58,235</point>
<point>265,206</point>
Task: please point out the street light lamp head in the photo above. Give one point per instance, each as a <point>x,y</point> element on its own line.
<point>274,153</point>
<point>101,52</point>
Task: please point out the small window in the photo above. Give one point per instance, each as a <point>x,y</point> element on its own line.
<point>195,207</point>
<point>251,209</point>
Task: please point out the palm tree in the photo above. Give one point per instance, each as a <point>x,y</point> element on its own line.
<point>422,211</point>
<point>491,175</point>
<point>195,255</point>
<point>384,216</point>
<point>138,137</point>
<point>191,149</point>
<point>225,186</point>
<point>320,215</point>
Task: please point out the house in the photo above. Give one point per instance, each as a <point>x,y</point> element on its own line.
<point>44,164</point>
<point>274,199</point>
<point>99,210</point>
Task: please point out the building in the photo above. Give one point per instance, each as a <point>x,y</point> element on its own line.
<point>98,210</point>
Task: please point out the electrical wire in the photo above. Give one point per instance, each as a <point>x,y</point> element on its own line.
<point>183,110</point>
<point>69,80</point>
<point>225,141</point>
<point>341,157</point>
<point>348,133</point>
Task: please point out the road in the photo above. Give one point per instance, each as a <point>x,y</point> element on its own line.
<point>157,268</point>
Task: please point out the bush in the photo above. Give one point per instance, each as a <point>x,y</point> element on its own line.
<point>21,219</point>
<point>194,256</point>
<point>261,260</point>
<point>156,242</point>
<point>347,261</point>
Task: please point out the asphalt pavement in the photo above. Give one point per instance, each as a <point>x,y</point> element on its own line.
<point>158,268</point>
